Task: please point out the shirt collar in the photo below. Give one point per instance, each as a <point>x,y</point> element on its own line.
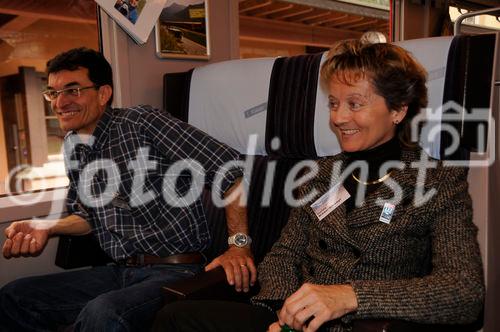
<point>100,133</point>
<point>101,130</point>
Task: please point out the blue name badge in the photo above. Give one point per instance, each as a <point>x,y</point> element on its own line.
<point>387,213</point>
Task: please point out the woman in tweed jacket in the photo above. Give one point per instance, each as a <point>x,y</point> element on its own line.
<point>391,235</point>
<point>423,266</point>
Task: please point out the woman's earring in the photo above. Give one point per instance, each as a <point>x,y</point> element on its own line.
<point>396,122</point>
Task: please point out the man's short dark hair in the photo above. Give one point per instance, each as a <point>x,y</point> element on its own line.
<point>99,69</point>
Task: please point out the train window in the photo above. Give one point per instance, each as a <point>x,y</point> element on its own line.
<point>30,139</point>
<point>479,22</point>
<point>382,4</point>
<point>286,28</point>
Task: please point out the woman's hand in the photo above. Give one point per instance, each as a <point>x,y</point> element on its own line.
<point>274,327</point>
<point>316,304</point>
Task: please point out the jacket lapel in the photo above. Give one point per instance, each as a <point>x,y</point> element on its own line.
<point>405,179</point>
<point>334,224</point>
<point>340,224</point>
<point>369,214</point>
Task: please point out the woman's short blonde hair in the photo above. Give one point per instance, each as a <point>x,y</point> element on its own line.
<point>393,72</point>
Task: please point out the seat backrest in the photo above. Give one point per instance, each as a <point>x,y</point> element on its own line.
<point>236,99</point>
<point>460,74</point>
<point>281,98</point>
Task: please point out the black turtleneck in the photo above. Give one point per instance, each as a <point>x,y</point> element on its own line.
<point>375,157</point>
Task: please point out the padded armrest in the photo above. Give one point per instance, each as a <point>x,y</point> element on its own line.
<point>206,286</point>
<point>404,326</point>
<point>213,285</point>
<point>80,251</point>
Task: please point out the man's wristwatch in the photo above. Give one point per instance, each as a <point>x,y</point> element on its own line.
<point>240,240</point>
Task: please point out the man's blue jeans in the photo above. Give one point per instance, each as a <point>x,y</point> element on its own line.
<point>105,298</point>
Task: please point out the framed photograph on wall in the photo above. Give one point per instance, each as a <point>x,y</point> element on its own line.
<point>182,30</point>
<point>136,17</point>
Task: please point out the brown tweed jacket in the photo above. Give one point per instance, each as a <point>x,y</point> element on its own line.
<point>425,266</point>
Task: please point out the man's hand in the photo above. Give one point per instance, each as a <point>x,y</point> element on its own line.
<point>25,238</point>
<point>237,262</point>
<point>312,305</point>
<point>239,267</point>
<point>29,237</point>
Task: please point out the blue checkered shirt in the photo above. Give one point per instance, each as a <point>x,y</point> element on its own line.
<point>125,220</point>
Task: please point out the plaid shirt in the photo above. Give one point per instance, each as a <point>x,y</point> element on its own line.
<point>136,216</point>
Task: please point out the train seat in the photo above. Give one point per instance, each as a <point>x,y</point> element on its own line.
<point>279,102</point>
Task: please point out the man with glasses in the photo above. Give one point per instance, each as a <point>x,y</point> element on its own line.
<point>150,222</point>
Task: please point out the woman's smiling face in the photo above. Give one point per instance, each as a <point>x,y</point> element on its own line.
<point>359,116</point>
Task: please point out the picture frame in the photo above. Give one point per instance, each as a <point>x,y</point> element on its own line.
<point>136,17</point>
<point>182,30</point>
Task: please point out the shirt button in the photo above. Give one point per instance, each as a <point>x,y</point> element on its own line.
<point>322,244</point>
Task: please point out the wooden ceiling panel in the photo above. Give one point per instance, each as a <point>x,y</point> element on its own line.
<point>296,11</point>
<point>19,23</point>
<point>5,18</point>
<point>272,9</point>
<point>258,29</point>
<point>361,25</point>
<point>344,23</point>
<point>78,11</point>
<point>252,5</point>
<point>317,14</point>
<point>330,19</point>
<point>275,14</point>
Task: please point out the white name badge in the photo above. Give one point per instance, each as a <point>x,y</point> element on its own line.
<point>330,201</point>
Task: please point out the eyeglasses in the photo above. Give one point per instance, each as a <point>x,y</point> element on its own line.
<point>51,95</point>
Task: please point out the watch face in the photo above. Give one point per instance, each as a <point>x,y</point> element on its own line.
<point>240,240</point>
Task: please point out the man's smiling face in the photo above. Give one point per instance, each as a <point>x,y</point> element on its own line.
<point>79,112</point>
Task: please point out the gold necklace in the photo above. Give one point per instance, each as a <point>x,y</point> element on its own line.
<point>382,179</point>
